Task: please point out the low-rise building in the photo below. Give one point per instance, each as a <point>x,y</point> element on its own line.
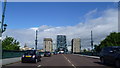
<point>48,44</point>
<point>76,45</point>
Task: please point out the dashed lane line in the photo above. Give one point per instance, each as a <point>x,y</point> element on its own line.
<point>39,66</point>
<point>69,61</point>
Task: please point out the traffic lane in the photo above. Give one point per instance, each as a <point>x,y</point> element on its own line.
<point>55,60</point>
<point>29,63</point>
<point>66,60</point>
<point>82,61</point>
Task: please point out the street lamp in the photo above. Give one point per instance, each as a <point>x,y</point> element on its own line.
<point>36,40</point>
<point>4,28</point>
<point>92,42</point>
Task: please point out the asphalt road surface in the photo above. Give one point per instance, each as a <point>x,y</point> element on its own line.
<point>62,61</point>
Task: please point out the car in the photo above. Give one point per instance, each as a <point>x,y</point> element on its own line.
<point>41,53</point>
<point>31,56</point>
<point>55,53</point>
<point>61,52</point>
<point>47,54</point>
<point>110,55</point>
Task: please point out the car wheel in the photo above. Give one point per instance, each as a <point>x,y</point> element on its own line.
<point>40,59</point>
<point>102,60</point>
<point>117,63</point>
<point>36,61</point>
<point>22,61</point>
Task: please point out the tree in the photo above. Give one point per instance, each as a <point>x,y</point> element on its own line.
<point>97,48</point>
<point>9,43</point>
<point>84,50</point>
<point>111,40</point>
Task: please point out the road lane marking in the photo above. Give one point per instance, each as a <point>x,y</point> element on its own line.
<point>39,66</point>
<point>69,61</point>
<point>73,65</point>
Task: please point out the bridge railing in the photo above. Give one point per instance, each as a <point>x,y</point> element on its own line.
<point>89,53</point>
<point>11,54</point>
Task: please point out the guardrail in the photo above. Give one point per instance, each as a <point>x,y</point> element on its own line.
<point>89,53</point>
<point>11,54</point>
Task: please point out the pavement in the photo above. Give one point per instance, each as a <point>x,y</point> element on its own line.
<point>91,56</point>
<point>62,61</point>
<point>10,60</point>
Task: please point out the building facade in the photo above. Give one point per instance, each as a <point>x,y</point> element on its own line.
<point>48,44</point>
<point>76,45</point>
<point>61,43</point>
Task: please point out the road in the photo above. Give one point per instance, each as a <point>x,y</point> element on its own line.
<point>62,61</point>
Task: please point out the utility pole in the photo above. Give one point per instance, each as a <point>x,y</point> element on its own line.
<point>119,16</point>
<point>36,40</point>
<point>2,28</point>
<point>91,40</point>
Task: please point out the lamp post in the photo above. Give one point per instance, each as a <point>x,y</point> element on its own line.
<point>2,28</point>
<point>36,40</point>
<point>92,42</point>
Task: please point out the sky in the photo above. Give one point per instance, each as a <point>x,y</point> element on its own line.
<point>35,14</point>
<point>73,19</point>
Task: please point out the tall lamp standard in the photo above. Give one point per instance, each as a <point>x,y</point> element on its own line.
<point>36,40</point>
<point>92,42</point>
<point>2,28</point>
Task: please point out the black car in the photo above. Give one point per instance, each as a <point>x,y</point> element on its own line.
<point>31,56</point>
<point>110,55</point>
<point>47,54</point>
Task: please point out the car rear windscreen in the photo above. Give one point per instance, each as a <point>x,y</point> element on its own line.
<point>29,52</point>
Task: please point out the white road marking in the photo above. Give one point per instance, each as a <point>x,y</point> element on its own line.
<point>73,65</point>
<point>39,66</point>
<point>69,61</point>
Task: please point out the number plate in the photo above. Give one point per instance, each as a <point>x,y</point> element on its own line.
<point>27,56</point>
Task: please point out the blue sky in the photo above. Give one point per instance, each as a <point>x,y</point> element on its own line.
<point>73,19</point>
<point>20,15</point>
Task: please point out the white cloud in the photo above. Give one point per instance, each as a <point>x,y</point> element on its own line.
<point>101,26</point>
<point>34,28</point>
<point>91,12</point>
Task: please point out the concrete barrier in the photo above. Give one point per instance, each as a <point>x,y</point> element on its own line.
<point>91,56</point>
<point>9,60</point>
<point>0,63</point>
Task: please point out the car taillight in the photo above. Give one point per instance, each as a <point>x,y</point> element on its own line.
<point>33,56</point>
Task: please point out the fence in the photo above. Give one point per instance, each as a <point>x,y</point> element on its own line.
<point>90,53</point>
<point>11,54</point>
